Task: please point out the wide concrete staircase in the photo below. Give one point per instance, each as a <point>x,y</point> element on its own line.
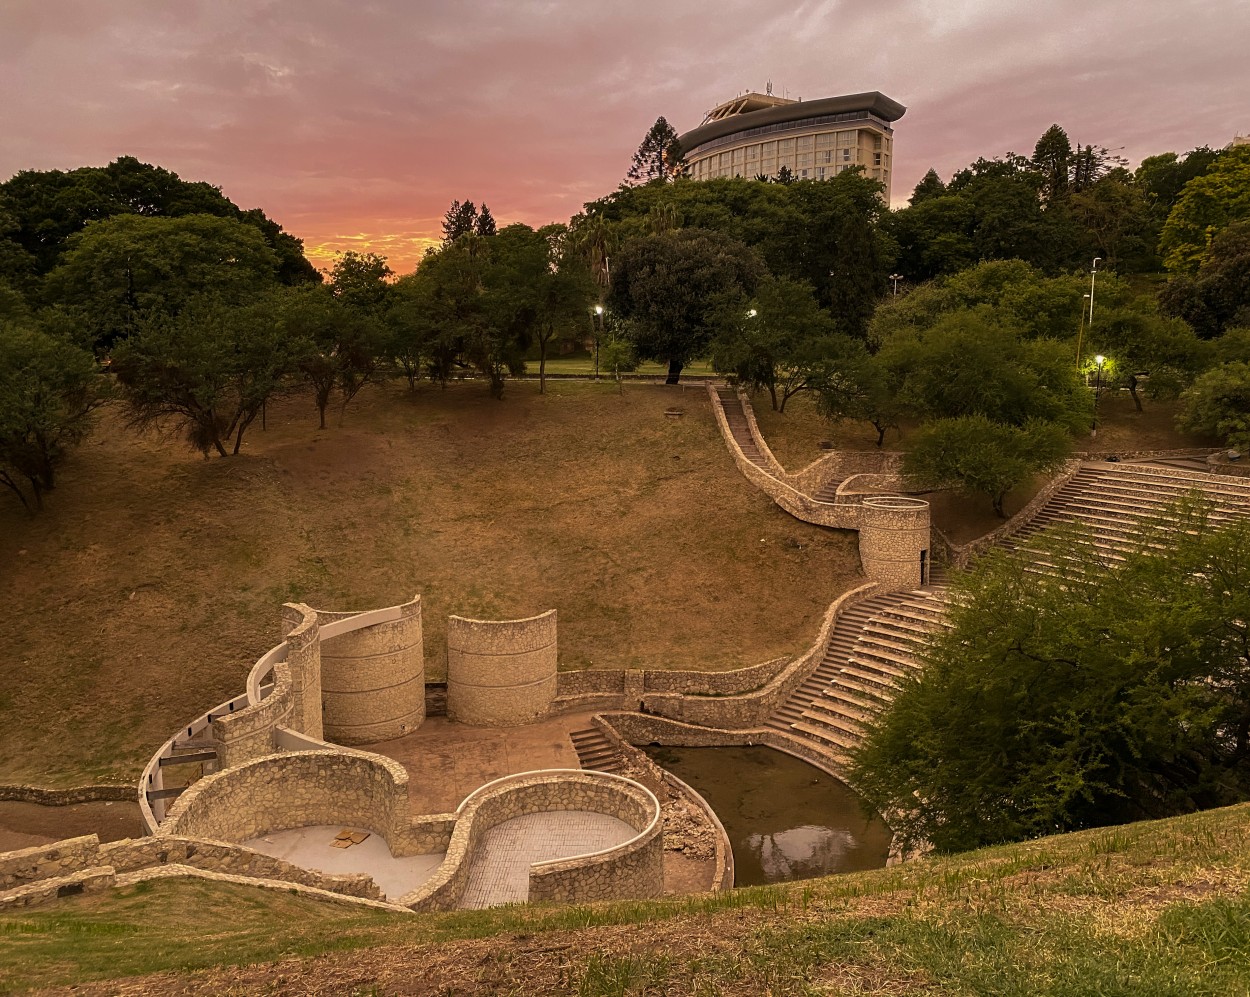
<point>1113,501</point>
<point>882,639</point>
<point>873,646</point>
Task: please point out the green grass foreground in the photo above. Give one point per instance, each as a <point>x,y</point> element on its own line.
<point>1155,908</point>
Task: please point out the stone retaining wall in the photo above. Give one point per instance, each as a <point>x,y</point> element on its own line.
<point>66,797</point>
<point>28,865</point>
<point>501,673</point>
<point>633,869</point>
<point>373,679</point>
<point>753,708</point>
<point>308,787</point>
<point>131,854</point>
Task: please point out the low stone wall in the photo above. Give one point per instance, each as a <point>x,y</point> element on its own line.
<point>839,465</point>
<point>29,865</point>
<point>857,486</point>
<point>131,854</point>
<point>248,733</point>
<point>501,673</point>
<point>65,797</point>
<point>633,869</point>
<point>642,729</point>
<point>753,708</point>
<point>373,679</point>
<point>624,688</point>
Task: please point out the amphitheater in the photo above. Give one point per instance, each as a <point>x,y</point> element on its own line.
<point>324,757</point>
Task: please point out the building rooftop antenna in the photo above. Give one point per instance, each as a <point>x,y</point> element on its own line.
<point>768,88</point>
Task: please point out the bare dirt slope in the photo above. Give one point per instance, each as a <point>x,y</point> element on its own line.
<point>145,591</point>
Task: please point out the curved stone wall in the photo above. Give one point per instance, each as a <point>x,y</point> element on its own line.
<point>632,869</point>
<point>372,679</point>
<point>894,540</point>
<point>501,673</point>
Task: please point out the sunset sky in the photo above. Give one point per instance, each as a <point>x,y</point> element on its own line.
<point>355,124</point>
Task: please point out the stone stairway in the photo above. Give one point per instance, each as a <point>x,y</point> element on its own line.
<point>880,640</point>
<point>1112,500</point>
<point>595,752</point>
<point>739,427</point>
<point>874,644</point>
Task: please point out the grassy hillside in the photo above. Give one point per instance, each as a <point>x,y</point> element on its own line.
<point>1155,908</point>
<point>149,586</point>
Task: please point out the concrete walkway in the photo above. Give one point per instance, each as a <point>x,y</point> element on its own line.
<point>500,875</point>
<point>311,848</point>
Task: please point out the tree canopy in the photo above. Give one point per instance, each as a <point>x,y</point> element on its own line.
<point>1095,694</point>
<point>676,288</point>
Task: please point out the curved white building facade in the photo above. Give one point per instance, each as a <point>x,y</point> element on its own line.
<point>757,134</point>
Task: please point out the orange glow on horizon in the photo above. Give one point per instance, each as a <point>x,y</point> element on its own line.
<point>403,250</point>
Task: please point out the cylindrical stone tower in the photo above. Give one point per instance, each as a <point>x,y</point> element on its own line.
<point>373,679</point>
<point>894,540</point>
<point>501,673</point>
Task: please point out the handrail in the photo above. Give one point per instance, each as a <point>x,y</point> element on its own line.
<point>263,668</point>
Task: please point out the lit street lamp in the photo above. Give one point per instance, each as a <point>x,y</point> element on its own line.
<point>596,323</point>
<point>751,313</point>
<point>896,277</point>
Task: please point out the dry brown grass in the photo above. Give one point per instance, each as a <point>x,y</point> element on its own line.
<point>151,583</point>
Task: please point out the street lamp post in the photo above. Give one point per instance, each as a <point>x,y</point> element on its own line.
<point>1092,274</point>
<point>1098,361</point>
<point>597,324</point>
<point>896,277</point>
<point>1080,332</point>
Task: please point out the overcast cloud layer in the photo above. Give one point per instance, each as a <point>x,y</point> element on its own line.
<point>355,124</point>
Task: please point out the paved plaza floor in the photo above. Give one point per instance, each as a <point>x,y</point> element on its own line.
<point>447,761</point>
<point>311,848</point>
<point>500,873</point>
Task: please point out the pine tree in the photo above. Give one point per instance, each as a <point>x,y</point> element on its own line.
<point>659,158</point>
<point>485,224</point>
<point>930,186</point>
<point>459,220</point>
<point>1053,156</point>
<point>785,175</point>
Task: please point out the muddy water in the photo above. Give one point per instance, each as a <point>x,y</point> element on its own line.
<point>785,819</point>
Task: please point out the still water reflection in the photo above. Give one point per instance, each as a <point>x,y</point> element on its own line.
<point>785,819</point>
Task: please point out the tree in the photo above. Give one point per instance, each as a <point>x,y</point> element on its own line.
<point>674,289</point>
<point>209,369</point>
<point>359,281</point>
<point>461,219</point>
<point>1138,342</point>
<point>1217,295</point>
<point>485,224</point>
<point>1118,217</point>
<point>659,158</point>
<point>973,454</point>
<point>1218,404</point>
<point>537,287</point>
<point>1163,177</point>
<point>1104,692</point>
<point>972,362</point>
<point>779,343</point>
<point>48,207</point>
<point>1053,158</point>
<point>49,389</point>
<point>342,347</point>
<point>929,187</point>
<point>1208,204</point>
<point>118,270</point>
<point>854,385</point>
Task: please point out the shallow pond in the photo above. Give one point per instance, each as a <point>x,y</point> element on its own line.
<point>785,819</point>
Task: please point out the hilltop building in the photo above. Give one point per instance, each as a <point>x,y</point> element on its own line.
<point>758,133</point>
